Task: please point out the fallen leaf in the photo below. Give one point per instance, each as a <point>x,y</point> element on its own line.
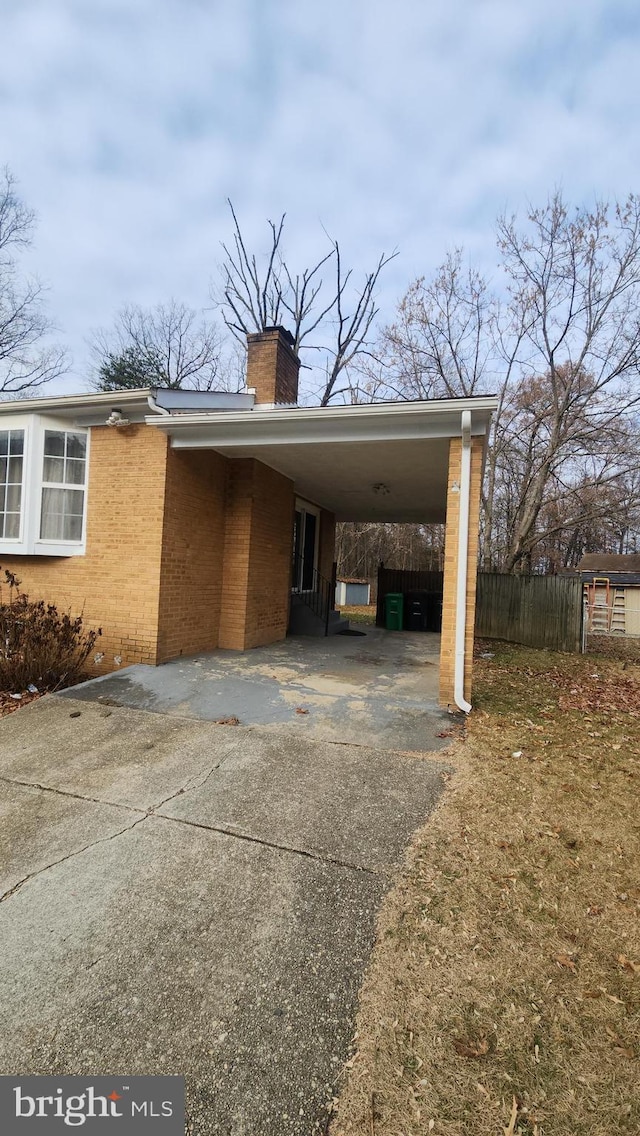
<point>566,961</point>
<point>612,997</point>
<point>628,964</point>
<point>301,710</point>
<point>467,1048</point>
<point>227,721</point>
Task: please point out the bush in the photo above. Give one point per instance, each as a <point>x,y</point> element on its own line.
<point>38,645</point>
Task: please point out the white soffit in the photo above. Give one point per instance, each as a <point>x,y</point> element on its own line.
<point>365,481</point>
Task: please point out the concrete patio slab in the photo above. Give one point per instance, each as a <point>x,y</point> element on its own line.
<point>183,897</point>
<point>379,688</point>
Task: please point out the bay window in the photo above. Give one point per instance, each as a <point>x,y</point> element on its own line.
<point>43,486</point>
<point>63,482</point>
<point>11,459</point>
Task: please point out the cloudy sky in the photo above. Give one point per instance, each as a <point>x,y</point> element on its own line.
<point>408,124</point>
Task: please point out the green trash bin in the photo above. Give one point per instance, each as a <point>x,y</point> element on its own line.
<point>393,611</point>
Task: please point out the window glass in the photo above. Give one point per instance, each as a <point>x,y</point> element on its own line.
<point>76,446</point>
<point>11,450</point>
<point>64,465</point>
<point>53,469</point>
<point>54,443</point>
<point>74,472</point>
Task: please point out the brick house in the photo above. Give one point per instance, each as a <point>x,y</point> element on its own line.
<point>171,518</point>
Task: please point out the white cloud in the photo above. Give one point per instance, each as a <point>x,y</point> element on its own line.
<point>410,125</point>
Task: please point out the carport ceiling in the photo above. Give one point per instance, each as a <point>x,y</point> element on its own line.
<point>370,462</point>
<point>364,481</point>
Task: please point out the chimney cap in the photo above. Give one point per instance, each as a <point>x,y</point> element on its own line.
<point>286,335</point>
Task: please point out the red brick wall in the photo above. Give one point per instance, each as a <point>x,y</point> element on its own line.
<point>272,367</point>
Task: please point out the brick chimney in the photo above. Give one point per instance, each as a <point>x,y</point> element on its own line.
<point>273,366</point>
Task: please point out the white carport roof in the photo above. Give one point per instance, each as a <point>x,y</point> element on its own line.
<point>375,462</point>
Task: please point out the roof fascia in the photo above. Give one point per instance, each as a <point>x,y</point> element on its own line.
<point>371,422</point>
<point>77,403</point>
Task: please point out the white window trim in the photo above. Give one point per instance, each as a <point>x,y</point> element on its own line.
<point>16,426</point>
<point>30,542</point>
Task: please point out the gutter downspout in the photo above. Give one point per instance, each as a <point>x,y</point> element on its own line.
<point>151,399</point>
<point>463,549</point>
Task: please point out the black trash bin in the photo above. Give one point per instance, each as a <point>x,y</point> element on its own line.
<point>434,611</point>
<point>416,611</point>
<point>423,611</point>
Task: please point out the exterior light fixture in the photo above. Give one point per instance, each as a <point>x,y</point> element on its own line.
<point>116,418</point>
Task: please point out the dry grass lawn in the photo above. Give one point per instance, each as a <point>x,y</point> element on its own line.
<point>503,993</point>
<point>362,613</point>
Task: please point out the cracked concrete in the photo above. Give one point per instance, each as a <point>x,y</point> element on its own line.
<point>189,898</point>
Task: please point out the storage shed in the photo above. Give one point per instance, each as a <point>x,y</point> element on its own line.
<point>611,593</point>
<point>352,593</point>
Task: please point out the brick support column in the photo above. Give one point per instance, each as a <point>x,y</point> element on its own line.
<point>447,647</point>
<point>256,574</point>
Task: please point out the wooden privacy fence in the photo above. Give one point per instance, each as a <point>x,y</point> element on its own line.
<point>538,611</point>
<point>402,580</point>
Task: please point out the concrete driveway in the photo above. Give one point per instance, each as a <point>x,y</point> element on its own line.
<point>184,897</point>
<point>375,687</point>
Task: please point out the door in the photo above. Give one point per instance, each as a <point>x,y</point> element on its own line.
<point>306,528</point>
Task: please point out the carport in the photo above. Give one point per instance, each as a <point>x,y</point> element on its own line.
<point>415,462</point>
<point>225,505</point>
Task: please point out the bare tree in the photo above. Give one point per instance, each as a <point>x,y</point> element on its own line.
<point>561,349</point>
<point>352,323</point>
<point>256,296</point>
<point>574,282</point>
<point>168,345</point>
<point>360,546</point>
<point>441,345</point>
<point>25,362</point>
